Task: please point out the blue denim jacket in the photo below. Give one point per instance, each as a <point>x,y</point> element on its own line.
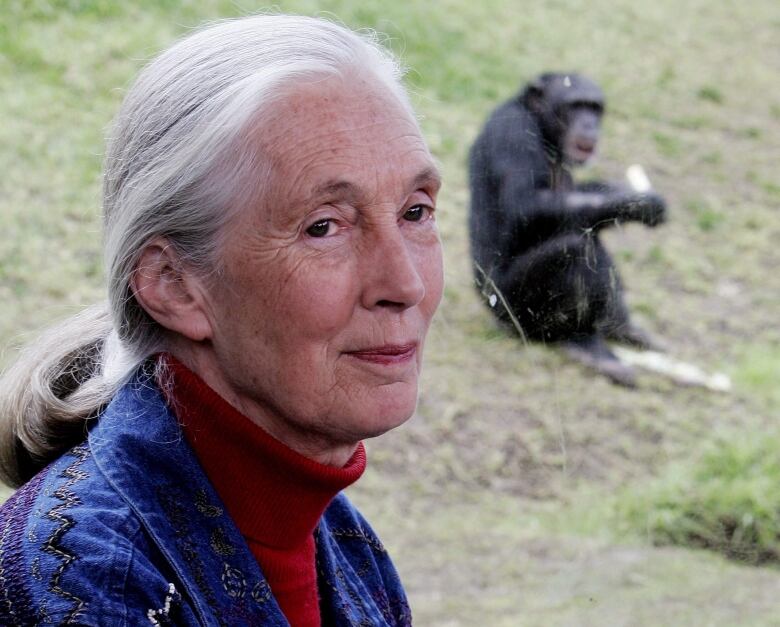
<point>125,529</point>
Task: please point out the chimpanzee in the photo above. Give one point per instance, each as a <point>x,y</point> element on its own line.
<point>537,256</point>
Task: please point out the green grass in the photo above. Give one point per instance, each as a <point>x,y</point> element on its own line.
<point>493,499</point>
<point>758,370</point>
<point>710,93</point>
<point>726,500</point>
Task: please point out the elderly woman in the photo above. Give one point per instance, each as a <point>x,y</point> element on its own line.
<point>273,266</point>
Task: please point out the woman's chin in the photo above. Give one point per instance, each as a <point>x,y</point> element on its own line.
<point>388,410</point>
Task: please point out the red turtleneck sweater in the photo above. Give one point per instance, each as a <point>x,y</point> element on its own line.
<point>275,495</point>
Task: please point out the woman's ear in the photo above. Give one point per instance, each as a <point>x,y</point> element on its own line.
<point>170,293</point>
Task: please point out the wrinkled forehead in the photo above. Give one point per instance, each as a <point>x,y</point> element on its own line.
<point>331,104</point>
<point>341,128</point>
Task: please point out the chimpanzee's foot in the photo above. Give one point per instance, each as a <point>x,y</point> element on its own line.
<point>593,352</point>
<point>635,336</point>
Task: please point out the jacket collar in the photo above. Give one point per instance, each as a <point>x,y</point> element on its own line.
<point>139,447</point>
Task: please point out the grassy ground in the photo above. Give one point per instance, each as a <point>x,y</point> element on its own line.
<point>500,500</point>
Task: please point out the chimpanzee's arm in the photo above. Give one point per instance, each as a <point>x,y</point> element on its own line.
<point>601,187</point>
<point>525,197</point>
<point>521,169</point>
<point>594,210</point>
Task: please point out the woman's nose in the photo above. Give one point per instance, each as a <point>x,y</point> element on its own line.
<point>390,274</point>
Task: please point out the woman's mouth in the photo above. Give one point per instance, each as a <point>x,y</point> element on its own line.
<point>386,355</point>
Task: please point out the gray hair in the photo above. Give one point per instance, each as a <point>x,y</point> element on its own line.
<point>176,167</point>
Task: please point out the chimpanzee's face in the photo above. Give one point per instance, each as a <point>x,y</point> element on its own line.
<point>581,132</point>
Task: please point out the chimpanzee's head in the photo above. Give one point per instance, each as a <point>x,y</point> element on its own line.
<point>568,108</point>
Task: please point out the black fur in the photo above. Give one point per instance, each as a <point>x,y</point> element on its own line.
<point>534,234</point>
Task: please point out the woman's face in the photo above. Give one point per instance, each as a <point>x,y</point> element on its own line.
<point>332,277</point>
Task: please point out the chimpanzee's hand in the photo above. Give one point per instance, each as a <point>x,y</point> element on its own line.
<point>648,207</point>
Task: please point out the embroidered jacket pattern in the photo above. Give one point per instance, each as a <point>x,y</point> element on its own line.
<point>125,529</point>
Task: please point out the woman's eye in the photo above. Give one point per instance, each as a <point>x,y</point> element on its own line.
<point>319,229</point>
<point>415,214</point>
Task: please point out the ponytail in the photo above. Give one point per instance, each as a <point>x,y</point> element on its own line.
<point>53,388</point>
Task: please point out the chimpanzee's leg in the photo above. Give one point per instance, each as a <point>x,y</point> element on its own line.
<point>615,322</point>
<point>608,289</point>
<point>560,289</point>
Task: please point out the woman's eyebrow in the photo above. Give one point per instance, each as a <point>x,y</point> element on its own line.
<point>428,177</point>
<point>338,187</point>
